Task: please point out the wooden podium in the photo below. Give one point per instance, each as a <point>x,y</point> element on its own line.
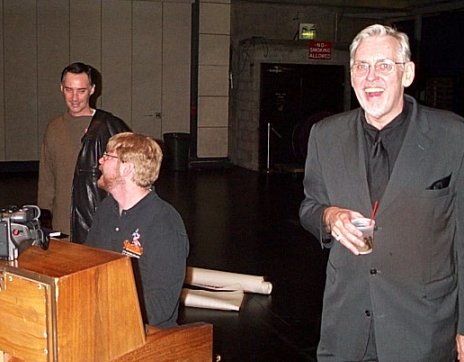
<point>75,303</point>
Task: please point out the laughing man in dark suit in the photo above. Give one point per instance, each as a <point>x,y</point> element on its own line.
<point>404,301</point>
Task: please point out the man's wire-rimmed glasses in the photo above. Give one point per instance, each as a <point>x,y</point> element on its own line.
<point>383,67</point>
<point>106,156</point>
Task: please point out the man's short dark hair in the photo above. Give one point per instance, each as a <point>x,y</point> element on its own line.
<point>79,68</point>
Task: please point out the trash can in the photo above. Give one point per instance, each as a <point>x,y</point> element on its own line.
<point>176,150</point>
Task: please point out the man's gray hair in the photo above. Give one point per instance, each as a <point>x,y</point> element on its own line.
<point>382,30</point>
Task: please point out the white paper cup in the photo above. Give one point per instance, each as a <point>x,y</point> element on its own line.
<point>366,226</point>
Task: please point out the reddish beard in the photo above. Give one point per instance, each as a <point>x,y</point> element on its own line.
<point>101,183</point>
<point>108,183</point>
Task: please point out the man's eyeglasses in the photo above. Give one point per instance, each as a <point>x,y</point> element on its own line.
<point>106,156</point>
<point>383,67</point>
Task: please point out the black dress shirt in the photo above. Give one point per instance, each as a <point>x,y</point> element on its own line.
<point>392,136</point>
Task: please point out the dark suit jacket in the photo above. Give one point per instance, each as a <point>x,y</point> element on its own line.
<point>412,283</point>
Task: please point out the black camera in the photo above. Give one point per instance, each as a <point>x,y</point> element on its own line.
<point>19,229</point>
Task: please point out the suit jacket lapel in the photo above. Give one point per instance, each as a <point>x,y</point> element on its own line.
<point>412,153</point>
<point>355,161</point>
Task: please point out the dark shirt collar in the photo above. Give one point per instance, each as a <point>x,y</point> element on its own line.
<point>140,204</point>
<point>392,129</point>
<point>392,134</point>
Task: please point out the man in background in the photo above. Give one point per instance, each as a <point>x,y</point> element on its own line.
<point>72,145</point>
<point>405,300</point>
<point>135,221</point>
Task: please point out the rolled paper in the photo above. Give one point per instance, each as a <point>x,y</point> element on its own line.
<point>220,280</point>
<point>230,301</point>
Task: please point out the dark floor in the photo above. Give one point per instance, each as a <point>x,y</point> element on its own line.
<point>245,222</point>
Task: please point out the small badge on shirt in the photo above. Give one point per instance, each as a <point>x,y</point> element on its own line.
<point>133,248</point>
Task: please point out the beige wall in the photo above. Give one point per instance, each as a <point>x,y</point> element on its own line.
<point>142,49</point>
<point>213,78</point>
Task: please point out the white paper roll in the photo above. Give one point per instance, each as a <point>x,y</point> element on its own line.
<point>219,280</point>
<point>230,301</point>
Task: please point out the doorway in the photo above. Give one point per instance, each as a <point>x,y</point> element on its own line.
<point>292,98</point>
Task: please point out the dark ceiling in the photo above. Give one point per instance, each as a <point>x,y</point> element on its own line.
<point>376,8</point>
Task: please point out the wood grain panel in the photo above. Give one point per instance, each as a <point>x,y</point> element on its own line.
<point>24,330</point>
<point>94,298</point>
<point>75,303</point>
